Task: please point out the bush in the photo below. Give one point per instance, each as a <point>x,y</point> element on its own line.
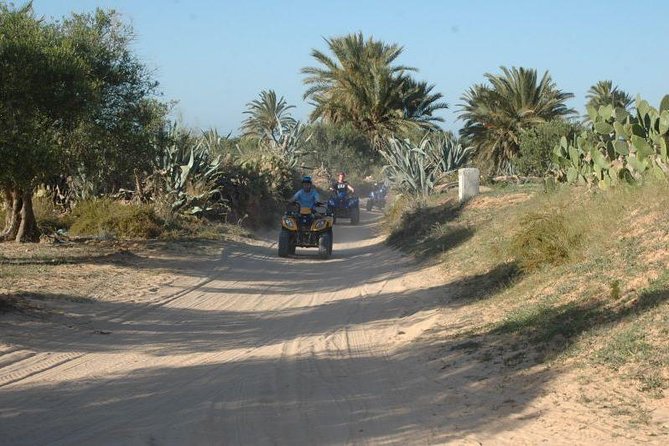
<point>106,217</point>
<point>258,187</point>
<point>537,145</point>
<point>49,217</point>
<point>544,238</point>
<point>340,148</point>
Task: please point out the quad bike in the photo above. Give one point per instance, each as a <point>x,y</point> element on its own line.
<point>306,227</point>
<point>377,197</point>
<point>341,205</point>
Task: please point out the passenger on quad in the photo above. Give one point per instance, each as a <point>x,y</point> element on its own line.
<point>343,203</point>
<point>308,196</point>
<point>342,185</point>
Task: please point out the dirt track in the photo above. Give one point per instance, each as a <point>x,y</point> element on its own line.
<point>250,349</point>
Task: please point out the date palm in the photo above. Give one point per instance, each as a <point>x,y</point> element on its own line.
<point>496,113</point>
<point>605,93</point>
<point>362,85</point>
<point>268,117</point>
<point>420,103</point>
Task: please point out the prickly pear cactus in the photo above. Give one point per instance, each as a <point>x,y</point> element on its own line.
<point>620,147</point>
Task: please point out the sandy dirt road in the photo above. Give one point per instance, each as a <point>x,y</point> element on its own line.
<point>249,349</point>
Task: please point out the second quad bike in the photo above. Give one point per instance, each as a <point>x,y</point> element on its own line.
<point>342,205</point>
<point>377,197</point>
<point>306,227</point>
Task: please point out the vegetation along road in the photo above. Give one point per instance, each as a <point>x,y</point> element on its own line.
<point>143,300</point>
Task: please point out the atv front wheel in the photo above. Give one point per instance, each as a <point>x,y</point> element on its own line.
<point>284,243</point>
<point>325,245</point>
<point>355,216</point>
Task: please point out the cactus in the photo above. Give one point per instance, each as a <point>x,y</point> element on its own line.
<point>619,147</point>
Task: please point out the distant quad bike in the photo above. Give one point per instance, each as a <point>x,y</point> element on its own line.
<point>341,205</point>
<point>308,228</point>
<point>377,197</point>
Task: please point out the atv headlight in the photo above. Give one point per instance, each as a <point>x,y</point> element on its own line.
<point>319,224</point>
<point>289,223</point>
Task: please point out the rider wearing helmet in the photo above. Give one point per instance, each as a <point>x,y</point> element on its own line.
<point>342,185</point>
<point>307,197</point>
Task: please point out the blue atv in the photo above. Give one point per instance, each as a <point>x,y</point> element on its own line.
<point>344,206</point>
<point>377,197</point>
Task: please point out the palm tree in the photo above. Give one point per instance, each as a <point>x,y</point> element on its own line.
<point>362,86</point>
<point>268,117</point>
<point>605,93</point>
<point>496,114</point>
<point>420,104</point>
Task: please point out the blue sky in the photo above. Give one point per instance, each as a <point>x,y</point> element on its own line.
<point>215,56</point>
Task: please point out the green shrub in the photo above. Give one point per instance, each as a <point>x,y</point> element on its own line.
<point>340,148</point>
<point>537,144</point>
<point>544,238</point>
<point>49,217</point>
<point>112,218</point>
<point>257,188</point>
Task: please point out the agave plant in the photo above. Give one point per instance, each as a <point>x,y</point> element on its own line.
<point>410,168</point>
<point>81,187</point>
<point>417,169</point>
<point>449,152</point>
<point>289,144</point>
<point>187,172</point>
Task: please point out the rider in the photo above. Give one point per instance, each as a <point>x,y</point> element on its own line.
<point>380,189</point>
<point>342,185</point>
<point>307,197</point>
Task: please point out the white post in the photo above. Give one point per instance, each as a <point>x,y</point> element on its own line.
<point>468,183</point>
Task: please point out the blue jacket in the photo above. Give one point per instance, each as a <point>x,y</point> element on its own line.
<point>306,199</point>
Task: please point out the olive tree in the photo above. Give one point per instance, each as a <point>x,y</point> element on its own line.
<point>43,90</point>
<point>72,97</point>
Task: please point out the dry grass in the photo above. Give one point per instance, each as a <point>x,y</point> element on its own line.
<point>545,238</point>
<point>593,290</point>
<point>113,219</point>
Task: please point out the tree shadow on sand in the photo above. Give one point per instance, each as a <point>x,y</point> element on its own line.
<point>485,381</point>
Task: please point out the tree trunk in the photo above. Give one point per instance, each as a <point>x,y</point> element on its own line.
<point>139,190</point>
<point>13,219</point>
<point>8,201</point>
<point>28,230</point>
